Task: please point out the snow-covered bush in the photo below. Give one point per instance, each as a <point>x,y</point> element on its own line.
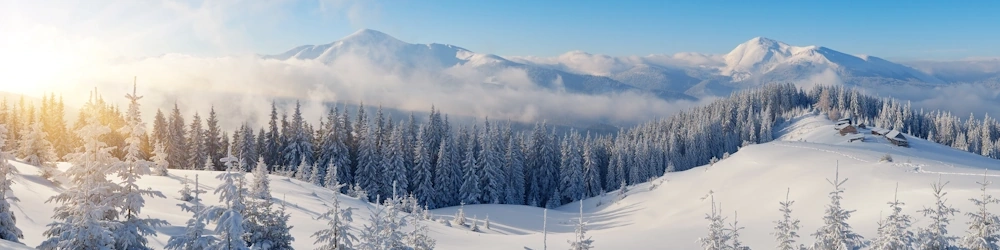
<point>885,158</point>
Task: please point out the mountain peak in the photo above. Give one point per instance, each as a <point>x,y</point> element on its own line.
<point>765,43</point>
<point>368,36</point>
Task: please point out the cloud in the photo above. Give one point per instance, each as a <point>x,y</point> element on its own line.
<point>359,13</point>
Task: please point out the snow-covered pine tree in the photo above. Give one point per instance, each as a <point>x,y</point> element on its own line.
<point>418,239</point>
<point>195,236</point>
<point>160,160</point>
<point>304,171</point>
<point>316,177</point>
<point>475,224</point>
<point>423,174</point>
<point>248,148</point>
<point>186,192</point>
<point>272,148</point>
<point>384,230</point>
<point>494,178</point>
<point>369,162</point>
<point>718,237</point>
<point>895,231</point>
<point>591,168</point>
<point>786,229</point>
<point>393,168</point>
<point>213,141</point>
<point>935,236</point>
<point>984,226</point>
<point>37,151</point>
<point>229,217</point>
<point>835,233</point>
<point>261,186</point>
<point>470,191</point>
<point>197,154</point>
<point>580,240</point>
<point>460,216</point>
<point>734,234</point>
<point>8,222</point>
<point>132,232</point>
<point>86,215</point>
<point>572,185</point>
<point>515,170</point>
<point>176,144</point>
<point>338,236</point>
<point>448,175</point>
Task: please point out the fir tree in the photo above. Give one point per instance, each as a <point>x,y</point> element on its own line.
<point>8,222</point>
<point>195,236</point>
<point>935,236</point>
<point>448,175</point>
<point>214,147</point>
<point>515,168</point>
<point>160,160</point>
<point>894,232</point>
<point>717,238</point>
<point>85,217</point>
<point>470,191</point>
<point>229,217</point>
<point>393,168</point>
<point>423,174</point>
<point>176,144</point>
<point>261,186</point>
<point>338,236</point>
<point>196,144</point>
<point>368,163</point>
<point>580,240</point>
<point>786,229</point>
<point>37,151</point>
<point>984,227</point>
<point>835,233</point>
<point>132,232</point>
<point>494,178</point>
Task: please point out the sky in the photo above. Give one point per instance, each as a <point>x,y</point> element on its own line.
<point>911,30</point>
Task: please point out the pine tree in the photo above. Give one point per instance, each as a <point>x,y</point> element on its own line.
<point>734,234</point>
<point>515,168</point>
<point>176,144</point>
<point>214,147</point>
<point>85,217</point>
<point>786,229</point>
<point>338,236</point>
<point>196,144</point>
<point>835,233</point>
<point>581,241</point>
<point>272,149</point>
<point>494,178</point>
<point>37,151</point>
<point>393,169</point>
<point>160,160</point>
<point>470,191</point>
<point>935,236</point>
<point>303,171</point>
<point>229,217</point>
<point>460,215</point>
<point>984,227</point>
<point>248,148</point>
<point>717,238</point>
<point>160,127</point>
<point>261,186</point>
<point>8,221</point>
<point>423,174</point>
<point>384,230</point>
<point>298,147</point>
<point>448,175</point>
<point>418,239</point>
<point>591,174</point>
<point>195,236</point>
<point>894,232</point>
<point>132,232</point>
<point>572,183</point>
<point>368,163</point>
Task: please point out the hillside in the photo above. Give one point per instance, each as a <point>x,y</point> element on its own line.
<point>751,182</point>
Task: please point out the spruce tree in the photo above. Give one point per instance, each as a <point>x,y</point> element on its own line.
<point>423,174</point>
<point>213,142</point>
<point>132,232</point>
<point>196,144</point>
<point>37,151</point>
<point>935,236</point>
<point>984,226</point>
<point>160,160</point>
<point>8,221</point>
<point>338,235</point>
<point>230,216</point>
<point>195,235</point>
<point>369,163</point>
<point>470,192</point>
<point>448,175</point>
<point>176,142</point>
<point>393,168</point>
<point>85,218</point>
<point>894,232</point>
<point>835,233</point>
<point>494,178</point>
<point>717,238</point>
<point>261,186</point>
<point>580,240</point>
<point>786,229</point>
<point>515,171</point>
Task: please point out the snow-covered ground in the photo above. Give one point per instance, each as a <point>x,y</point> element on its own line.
<point>750,182</point>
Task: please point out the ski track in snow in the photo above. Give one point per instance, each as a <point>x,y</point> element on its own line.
<point>824,150</point>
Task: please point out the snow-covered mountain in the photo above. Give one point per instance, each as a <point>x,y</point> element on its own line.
<point>766,60</point>
<point>667,211</point>
<point>388,53</point>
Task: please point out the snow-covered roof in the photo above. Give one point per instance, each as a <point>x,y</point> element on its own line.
<point>842,126</point>
<point>895,135</point>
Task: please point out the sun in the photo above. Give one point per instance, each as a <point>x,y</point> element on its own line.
<point>31,64</point>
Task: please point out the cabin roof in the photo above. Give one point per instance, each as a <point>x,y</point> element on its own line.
<point>895,135</point>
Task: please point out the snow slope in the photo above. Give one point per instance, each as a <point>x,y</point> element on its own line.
<point>750,182</point>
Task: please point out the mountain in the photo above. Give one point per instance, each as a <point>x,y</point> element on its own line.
<point>388,53</point>
<point>667,211</point>
<point>766,60</point>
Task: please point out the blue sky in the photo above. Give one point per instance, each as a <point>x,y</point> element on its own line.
<point>899,30</point>
<point>890,29</point>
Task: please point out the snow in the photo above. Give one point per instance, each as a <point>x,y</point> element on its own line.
<point>751,182</point>
<point>13,246</point>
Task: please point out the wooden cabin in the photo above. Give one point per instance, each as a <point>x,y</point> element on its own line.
<point>845,120</point>
<point>879,131</point>
<point>856,137</point>
<point>897,138</point>
<point>845,129</point>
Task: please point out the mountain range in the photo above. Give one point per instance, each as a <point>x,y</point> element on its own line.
<point>680,76</point>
